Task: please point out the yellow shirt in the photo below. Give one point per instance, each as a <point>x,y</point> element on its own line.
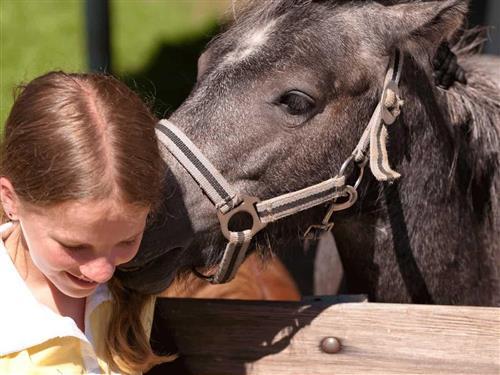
<point>36,340</point>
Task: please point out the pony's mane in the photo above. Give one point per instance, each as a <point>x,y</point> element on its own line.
<point>475,107</point>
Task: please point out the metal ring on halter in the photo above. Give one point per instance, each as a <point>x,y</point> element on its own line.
<point>247,205</point>
<point>361,167</point>
<point>345,165</point>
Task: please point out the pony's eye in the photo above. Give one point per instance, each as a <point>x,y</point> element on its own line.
<point>296,103</point>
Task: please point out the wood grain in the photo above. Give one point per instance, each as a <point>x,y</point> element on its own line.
<point>218,337</point>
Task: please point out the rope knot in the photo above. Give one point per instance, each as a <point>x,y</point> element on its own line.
<point>393,103</point>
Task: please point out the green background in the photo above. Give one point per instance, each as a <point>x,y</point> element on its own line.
<point>154,43</point>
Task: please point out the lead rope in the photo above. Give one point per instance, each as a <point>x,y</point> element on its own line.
<point>228,203</point>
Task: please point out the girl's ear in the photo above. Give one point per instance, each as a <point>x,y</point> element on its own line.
<point>426,24</point>
<point>9,198</point>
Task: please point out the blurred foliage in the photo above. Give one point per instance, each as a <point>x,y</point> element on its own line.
<point>37,36</point>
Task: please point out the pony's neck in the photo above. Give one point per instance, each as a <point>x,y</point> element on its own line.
<point>452,138</point>
<point>422,233</point>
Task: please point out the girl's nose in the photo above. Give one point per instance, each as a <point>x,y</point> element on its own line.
<point>99,270</point>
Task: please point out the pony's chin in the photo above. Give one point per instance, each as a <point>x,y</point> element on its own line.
<point>154,276</point>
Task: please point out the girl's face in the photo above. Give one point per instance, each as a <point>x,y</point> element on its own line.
<point>77,245</point>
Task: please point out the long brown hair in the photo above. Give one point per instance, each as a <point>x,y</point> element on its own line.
<point>87,136</point>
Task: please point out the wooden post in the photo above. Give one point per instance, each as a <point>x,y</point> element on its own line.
<point>98,35</point>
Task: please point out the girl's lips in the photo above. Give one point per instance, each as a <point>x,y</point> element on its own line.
<point>83,283</point>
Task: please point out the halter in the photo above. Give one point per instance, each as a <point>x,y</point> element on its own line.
<point>229,203</point>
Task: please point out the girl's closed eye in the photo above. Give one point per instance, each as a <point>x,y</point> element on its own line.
<point>133,240</point>
<point>130,242</point>
<point>73,247</point>
<point>81,247</point>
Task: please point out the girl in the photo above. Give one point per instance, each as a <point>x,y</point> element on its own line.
<point>80,172</point>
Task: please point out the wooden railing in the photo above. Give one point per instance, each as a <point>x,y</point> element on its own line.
<point>218,337</point>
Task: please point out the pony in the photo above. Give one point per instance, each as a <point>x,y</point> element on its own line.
<point>281,100</point>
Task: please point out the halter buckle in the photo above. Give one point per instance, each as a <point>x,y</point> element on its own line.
<point>326,225</point>
<point>314,231</point>
<point>247,205</point>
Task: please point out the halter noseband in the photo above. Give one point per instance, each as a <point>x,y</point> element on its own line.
<point>229,203</point>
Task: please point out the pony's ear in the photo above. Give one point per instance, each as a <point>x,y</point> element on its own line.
<point>203,61</point>
<point>425,23</point>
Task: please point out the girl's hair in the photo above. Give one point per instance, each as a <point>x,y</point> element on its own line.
<point>88,136</point>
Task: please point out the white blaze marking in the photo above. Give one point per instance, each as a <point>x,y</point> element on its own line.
<point>251,44</point>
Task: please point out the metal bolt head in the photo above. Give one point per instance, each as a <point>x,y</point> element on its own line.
<point>330,345</point>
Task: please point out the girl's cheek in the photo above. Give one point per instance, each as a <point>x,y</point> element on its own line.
<point>48,262</point>
<point>62,260</point>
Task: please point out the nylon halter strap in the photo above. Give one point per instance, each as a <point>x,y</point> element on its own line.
<point>229,203</point>
<point>386,112</point>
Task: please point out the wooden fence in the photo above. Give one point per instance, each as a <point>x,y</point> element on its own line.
<point>219,337</point>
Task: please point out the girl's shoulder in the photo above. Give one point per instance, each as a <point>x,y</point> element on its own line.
<point>31,332</point>
<point>6,229</point>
